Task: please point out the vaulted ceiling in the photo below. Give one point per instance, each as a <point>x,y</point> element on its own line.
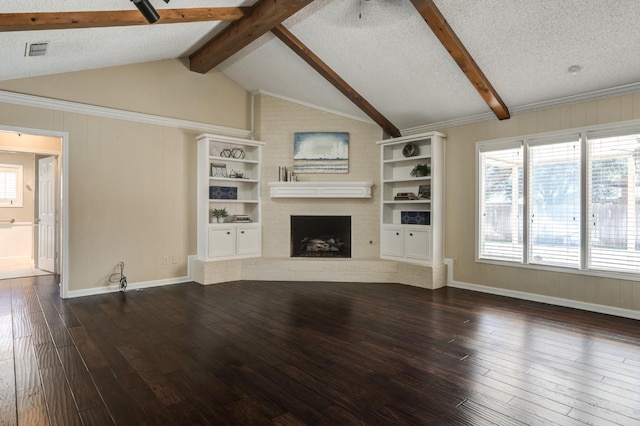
<point>400,63</point>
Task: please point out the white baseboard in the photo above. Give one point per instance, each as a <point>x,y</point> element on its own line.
<point>557,301</point>
<point>130,287</point>
<point>137,286</point>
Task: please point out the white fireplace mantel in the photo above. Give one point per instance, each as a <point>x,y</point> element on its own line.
<point>320,189</point>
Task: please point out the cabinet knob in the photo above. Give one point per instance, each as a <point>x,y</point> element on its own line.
<point>410,234</point>
<point>228,233</point>
<point>397,233</point>
<point>242,232</point>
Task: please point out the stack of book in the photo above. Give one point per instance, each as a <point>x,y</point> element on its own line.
<point>405,196</point>
<point>241,218</point>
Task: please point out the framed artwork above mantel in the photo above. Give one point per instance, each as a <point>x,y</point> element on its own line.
<point>321,152</point>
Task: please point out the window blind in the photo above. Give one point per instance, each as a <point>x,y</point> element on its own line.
<point>613,231</point>
<point>501,198</point>
<point>554,204</point>
<point>8,184</point>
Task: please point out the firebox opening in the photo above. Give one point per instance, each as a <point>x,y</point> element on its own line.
<point>320,236</point>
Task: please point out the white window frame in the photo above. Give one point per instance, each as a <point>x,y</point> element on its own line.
<point>18,169</point>
<point>628,127</point>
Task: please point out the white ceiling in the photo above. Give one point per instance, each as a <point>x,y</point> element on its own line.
<point>389,55</point>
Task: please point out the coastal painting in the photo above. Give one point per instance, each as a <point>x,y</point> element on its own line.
<point>321,152</point>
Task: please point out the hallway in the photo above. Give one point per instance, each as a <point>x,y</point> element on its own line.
<point>18,268</point>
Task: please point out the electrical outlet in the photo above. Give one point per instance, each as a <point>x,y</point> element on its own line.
<point>165,260</point>
<point>174,260</point>
<point>455,262</point>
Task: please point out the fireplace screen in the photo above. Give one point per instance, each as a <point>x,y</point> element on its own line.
<point>320,236</point>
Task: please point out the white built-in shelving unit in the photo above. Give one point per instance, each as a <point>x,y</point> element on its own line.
<point>232,167</point>
<point>412,229</point>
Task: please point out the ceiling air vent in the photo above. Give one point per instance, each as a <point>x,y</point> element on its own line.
<point>36,49</point>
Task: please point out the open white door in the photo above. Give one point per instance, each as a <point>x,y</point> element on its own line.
<point>47,214</point>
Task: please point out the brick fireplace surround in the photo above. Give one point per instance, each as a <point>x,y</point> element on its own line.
<point>276,121</point>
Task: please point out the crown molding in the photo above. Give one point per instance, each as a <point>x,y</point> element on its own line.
<point>118,114</point>
<point>440,125</point>
<point>319,108</point>
<point>626,89</point>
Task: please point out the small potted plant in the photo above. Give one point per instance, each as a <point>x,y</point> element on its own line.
<point>219,214</point>
<point>420,170</point>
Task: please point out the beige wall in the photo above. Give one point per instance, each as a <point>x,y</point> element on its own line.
<point>276,122</point>
<point>165,88</point>
<point>24,213</point>
<point>460,205</point>
<point>131,185</point>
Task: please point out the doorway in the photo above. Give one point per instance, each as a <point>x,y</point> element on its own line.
<point>31,207</point>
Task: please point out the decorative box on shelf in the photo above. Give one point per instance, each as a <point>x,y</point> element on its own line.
<point>223,193</point>
<point>415,218</point>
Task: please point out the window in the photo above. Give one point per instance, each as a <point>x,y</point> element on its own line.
<point>614,200</point>
<point>568,200</point>
<point>554,203</point>
<point>10,185</point>
<point>501,204</point>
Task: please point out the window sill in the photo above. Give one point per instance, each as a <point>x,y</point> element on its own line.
<point>585,272</point>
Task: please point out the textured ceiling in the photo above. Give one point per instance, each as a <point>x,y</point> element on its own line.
<point>81,49</point>
<point>382,48</point>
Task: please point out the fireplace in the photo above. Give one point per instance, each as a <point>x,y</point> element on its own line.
<point>320,236</point>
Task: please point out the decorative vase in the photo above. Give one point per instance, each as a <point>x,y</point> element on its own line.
<point>220,219</point>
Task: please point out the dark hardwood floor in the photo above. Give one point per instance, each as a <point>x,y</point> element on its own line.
<point>292,353</point>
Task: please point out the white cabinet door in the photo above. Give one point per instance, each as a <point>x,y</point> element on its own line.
<point>248,239</point>
<point>417,242</point>
<point>222,241</point>
<point>391,241</point>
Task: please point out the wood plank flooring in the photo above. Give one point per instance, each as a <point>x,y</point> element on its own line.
<point>293,353</point>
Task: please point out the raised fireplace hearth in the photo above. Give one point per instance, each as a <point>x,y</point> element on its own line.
<point>321,236</point>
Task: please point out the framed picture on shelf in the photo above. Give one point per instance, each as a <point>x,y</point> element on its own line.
<point>218,170</point>
<point>424,191</point>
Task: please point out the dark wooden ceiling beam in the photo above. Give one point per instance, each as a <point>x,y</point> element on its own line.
<point>264,15</point>
<point>332,77</point>
<point>461,56</point>
<point>114,18</point>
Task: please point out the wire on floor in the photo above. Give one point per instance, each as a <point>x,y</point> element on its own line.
<point>118,277</point>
